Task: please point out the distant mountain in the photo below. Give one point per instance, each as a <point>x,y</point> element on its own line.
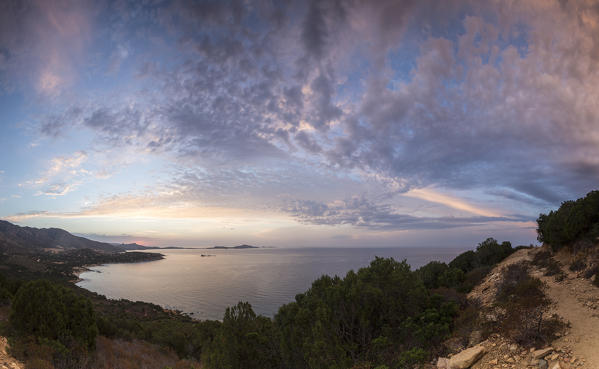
<point>14,237</point>
<point>132,246</point>
<point>235,247</point>
<point>136,246</point>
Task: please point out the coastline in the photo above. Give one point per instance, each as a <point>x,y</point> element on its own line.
<point>78,270</point>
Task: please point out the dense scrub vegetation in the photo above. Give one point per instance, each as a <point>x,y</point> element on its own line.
<point>467,269</point>
<point>574,221</point>
<point>50,311</point>
<point>384,315</point>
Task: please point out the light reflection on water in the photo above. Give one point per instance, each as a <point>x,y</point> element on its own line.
<point>267,278</point>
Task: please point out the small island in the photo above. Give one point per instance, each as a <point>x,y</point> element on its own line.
<point>233,247</point>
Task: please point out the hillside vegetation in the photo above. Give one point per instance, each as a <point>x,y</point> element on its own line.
<point>575,224</point>
<point>382,315</point>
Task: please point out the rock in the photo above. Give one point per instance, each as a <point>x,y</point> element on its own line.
<point>542,364</point>
<point>443,363</point>
<point>493,362</point>
<point>513,347</point>
<point>556,366</point>
<point>553,357</point>
<point>539,354</point>
<point>467,358</point>
<point>491,318</point>
<point>475,338</point>
<point>454,344</point>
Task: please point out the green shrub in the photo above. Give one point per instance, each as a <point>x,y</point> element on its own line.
<point>373,315</point>
<point>437,274</point>
<point>47,310</point>
<point>574,220</point>
<point>244,340</point>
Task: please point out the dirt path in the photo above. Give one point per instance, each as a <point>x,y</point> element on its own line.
<point>576,302</point>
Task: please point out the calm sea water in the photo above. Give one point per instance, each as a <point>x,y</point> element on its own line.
<point>267,278</point>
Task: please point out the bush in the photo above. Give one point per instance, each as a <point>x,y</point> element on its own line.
<point>437,274</point>
<point>573,221</point>
<point>542,259</point>
<point>243,341</point>
<point>552,268</point>
<point>475,265</point>
<point>381,314</point>
<point>47,310</point>
<point>490,252</point>
<point>526,304</point>
<point>474,277</point>
<point>590,273</point>
<point>578,265</point>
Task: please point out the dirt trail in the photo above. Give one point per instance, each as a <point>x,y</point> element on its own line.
<point>576,302</point>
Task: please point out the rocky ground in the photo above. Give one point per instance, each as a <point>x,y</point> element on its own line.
<point>7,361</point>
<point>575,300</point>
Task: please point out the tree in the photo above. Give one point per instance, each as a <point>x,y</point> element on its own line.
<point>244,340</point>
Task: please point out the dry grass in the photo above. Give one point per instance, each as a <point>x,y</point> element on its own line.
<point>120,354</point>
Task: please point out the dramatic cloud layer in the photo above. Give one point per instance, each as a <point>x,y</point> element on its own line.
<point>357,117</point>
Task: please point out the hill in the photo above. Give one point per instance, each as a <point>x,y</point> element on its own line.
<point>234,247</point>
<point>16,238</point>
<point>136,246</point>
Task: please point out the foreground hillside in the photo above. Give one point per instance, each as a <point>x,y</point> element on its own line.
<point>538,307</point>
<point>574,300</point>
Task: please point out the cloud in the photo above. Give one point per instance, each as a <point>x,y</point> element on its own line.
<point>359,212</point>
<point>58,189</point>
<point>450,201</point>
<point>64,174</point>
<point>42,43</point>
<point>412,95</point>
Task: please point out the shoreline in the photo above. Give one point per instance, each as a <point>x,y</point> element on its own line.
<point>78,270</point>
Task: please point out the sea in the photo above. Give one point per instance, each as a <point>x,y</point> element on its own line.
<point>204,286</point>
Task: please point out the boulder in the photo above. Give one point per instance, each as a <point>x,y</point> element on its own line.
<point>539,354</point>
<point>443,363</point>
<point>467,358</point>
<point>542,364</point>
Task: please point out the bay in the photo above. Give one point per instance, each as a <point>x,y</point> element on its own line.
<point>267,278</point>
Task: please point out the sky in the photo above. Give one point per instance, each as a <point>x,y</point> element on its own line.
<point>297,124</point>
